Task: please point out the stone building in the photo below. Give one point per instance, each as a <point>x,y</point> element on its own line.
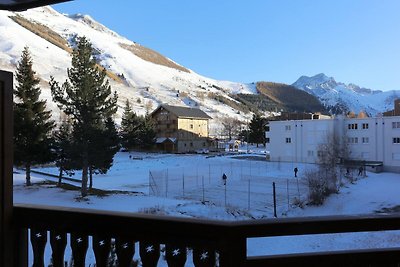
<point>181,129</point>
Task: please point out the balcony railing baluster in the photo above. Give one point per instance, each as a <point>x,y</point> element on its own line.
<point>79,246</point>
<point>175,255</point>
<point>203,257</point>
<point>101,249</point>
<point>38,241</point>
<point>58,242</point>
<point>125,249</point>
<point>149,253</point>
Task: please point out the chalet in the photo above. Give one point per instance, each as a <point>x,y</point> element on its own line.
<point>181,129</point>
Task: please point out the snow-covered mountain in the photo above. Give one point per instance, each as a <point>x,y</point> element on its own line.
<point>340,97</point>
<point>137,73</point>
<point>148,78</point>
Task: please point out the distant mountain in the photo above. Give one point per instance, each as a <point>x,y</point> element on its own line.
<point>289,98</point>
<point>339,97</point>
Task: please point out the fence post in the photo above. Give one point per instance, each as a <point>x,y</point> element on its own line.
<point>209,174</point>
<point>298,188</point>
<point>288,196</point>
<point>248,201</point>
<point>274,194</point>
<point>166,184</point>
<point>183,184</point>
<point>202,181</point>
<point>225,192</point>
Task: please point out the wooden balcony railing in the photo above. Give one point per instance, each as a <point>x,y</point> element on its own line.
<point>214,243</point>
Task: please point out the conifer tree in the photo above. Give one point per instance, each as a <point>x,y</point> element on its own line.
<point>32,122</point>
<point>136,131</point>
<point>64,153</point>
<point>257,130</point>
<point>106,144</point>
<point>129,126</point>
<point>85,97</point>
<point>147,133</point>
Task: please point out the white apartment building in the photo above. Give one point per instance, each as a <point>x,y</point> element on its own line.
<point>369,139</point>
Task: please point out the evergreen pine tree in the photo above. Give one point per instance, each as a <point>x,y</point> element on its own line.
<point>106,144</point>
<point>65,159</point>
<point>129,126</point>
<point>147,133</point>
<point>136,131</point>
<point>32,122</point>
<point>85,97</point>
<point>257,130</point>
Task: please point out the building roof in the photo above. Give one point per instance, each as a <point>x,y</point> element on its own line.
<point>20,5</point>
<point>184,112</point>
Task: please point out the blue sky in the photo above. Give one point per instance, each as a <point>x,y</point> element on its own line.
<point>354,41</point>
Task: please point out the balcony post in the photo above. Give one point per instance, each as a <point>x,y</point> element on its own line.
<point>6,171</point>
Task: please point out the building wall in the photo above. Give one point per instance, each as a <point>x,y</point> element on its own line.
<point>191,133</point>
<point>297,140</point>
<point>197,127</point>
<point>370,139</point>
<point>166,124</point>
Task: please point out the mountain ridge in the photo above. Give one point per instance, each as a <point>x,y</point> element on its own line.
<point>339,97</point>
<point>147,78</point>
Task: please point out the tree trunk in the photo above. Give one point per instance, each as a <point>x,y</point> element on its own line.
<point>84,180</point>
<point>90,177</point>
<point>85,168</point>
<point>60,177</point>
<point>28,174</point>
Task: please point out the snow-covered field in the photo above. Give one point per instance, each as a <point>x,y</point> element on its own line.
<point>203,195</point>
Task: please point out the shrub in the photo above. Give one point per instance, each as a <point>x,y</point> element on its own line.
<point>318,188</point>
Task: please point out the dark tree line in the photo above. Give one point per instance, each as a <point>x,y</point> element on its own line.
<point>255,133</point>
<point>87,139</point>
<point>137,132</point>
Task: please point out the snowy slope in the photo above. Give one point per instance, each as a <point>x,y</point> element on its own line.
<point>146,84</point>
<point>349,96</point>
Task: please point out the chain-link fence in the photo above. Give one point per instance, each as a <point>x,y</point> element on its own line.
<point>249,185</point>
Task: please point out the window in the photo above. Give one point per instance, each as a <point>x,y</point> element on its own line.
<point>352,126</point>
<point>396,125</point>
<point>310,153</point>
<point>204,144</point>
<point>396,140</point>
<point>191,126</point>
<point>267,128</point>
<point>288,140</point>
<point>191,144</point>
<point>287,127</point>
<point>365,140</point>
<point>267,140</point>
<point>365,125</point>
<point>320,153</point>
<point>352,140</point>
